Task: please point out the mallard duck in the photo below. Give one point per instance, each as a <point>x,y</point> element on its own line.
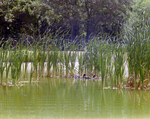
<point>94,77</point>
<point>66,76</point>
<point>77,77</point>
<point>85,77</point>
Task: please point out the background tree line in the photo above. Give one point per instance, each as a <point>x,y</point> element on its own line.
<point>64,18</point>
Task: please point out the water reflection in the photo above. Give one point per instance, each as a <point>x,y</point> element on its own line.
<point>68,98</point>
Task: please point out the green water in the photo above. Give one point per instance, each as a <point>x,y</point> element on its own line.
<point>61,98</point>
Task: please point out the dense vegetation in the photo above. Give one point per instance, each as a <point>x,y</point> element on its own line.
<point>64,18</point>
<point>54,22</point>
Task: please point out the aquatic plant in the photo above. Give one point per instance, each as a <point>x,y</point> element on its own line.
<point>80,60</point>
<point>36,58</point>
<point>105,59</point>
<point>26,55</point>
<point>41,61</point>
<point>49,63</point>
<point>72,61</point>
<point>67,56</point>
<point>119,61</point>
<point>102,65</point>
<point>31,73</point>
<point>55,57</point>
<point>138,49</point>
<point>61,63</point>
<point>96,57</point>
<point>2,66</point>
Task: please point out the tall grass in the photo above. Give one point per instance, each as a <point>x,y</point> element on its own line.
<point>138,49</point>
<point>61,64</point>
<point>2,67</point>
<point>35,59</point>
<point>104,58</point>
<point>80,60</point>
<point>49,63</point>
<point>67,60</point>
<point>73,61</point>
<point>119,61</point>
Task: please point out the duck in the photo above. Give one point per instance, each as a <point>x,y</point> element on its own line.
<point>85,77</point>
<point>94,77</point>
<point>77,77</point>
<point>66,76</point>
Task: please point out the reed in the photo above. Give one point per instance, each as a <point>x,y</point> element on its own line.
<point>85,63</point>
<point>44,57</point>
<point>147,57</point>
<point>103,57</point>
<point>67,56</point>
<point>55,57</point>
<point>119,61</point>
<point>72,61</point>
<point>61,63</point>
<point>80,60</point>
<point>102,65</point>
<point>110,64</point>
<point>35,59</point>
<point>138,49</point>
<point>90,62</point>
<point>14,65</point>
<point>31,73</point>
<point>49,63</point>
<point>26,59</point>
<point>2,66</point>
<point>19,60</point>
<point>96,57</point>
<point>7,64</point>
<point>73,57</point>
<point>41,61</point>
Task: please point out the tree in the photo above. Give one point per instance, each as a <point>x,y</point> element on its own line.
<point>71,18</point>
<point>106,16</point>
<point>91,17</point>
<point>18,17</point>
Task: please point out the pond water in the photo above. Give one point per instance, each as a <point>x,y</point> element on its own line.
<point>68,98</point>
